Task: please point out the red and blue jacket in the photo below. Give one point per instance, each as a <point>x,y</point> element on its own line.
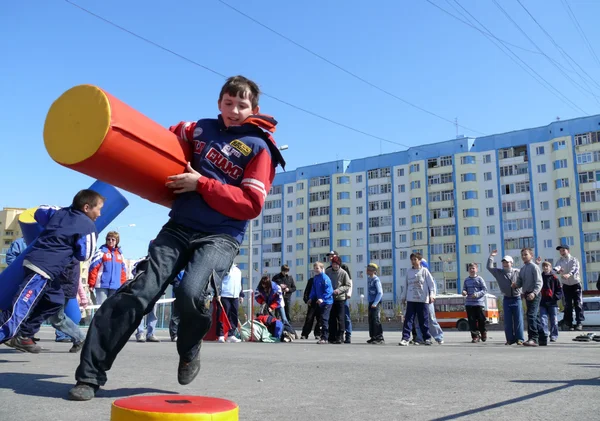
<point>237,165</point>
<point>107,269</point>
<point>68,233</point>
<point>273,298</point>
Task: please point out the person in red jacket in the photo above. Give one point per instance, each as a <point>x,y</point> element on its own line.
<point>224,185</point>
<point>107,270</point>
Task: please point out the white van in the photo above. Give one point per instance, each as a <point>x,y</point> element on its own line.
<point>591,312</point>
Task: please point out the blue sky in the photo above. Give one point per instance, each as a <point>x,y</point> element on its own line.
<point>410,49</point>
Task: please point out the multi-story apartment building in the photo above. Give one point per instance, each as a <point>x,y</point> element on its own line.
<point>9,231</point>
<point>453,201</point>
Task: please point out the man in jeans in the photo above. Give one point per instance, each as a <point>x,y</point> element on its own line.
<point>567,269</point>
<point>233,162</point>
<point>347,318</point>
<point>530,279</point>
<point>511,303</point>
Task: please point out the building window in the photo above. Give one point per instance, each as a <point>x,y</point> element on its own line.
<point>559,163</point>
<point>569,241</point>
<point>561,183</point>
<point>547,244</point>
<point>359,194</point>
<point>343,179</point>
<point>566,221</point>
<point>487,158</point>
<point>466,160</point>
<point>414,168</point>
<point>541,168</point>
<point>359,210</point>
<point>489,211</point>
<point>470,213</point>
<point>402,205</point>
<point>343,195</point>
<point>290,218</point>
<point>489,194</point>
<point>415,201</point>
<point>487,176</point>
<point>468,177</point>
<point>563,202</point>
<point>471,230</point>
<point>417,219</point>
<point>400,172</point>
<point>299,186</point>
<point>539,150</point>
<point>491,229</point>
<point>545,205</point>
<point>545,224</point>
<point>558,145</point>
<point>543,187</point>
<point>473,249</point>
<point>469,194</point>
<point>359,226</point>
<point>359,178</point>
<point>415,184</point>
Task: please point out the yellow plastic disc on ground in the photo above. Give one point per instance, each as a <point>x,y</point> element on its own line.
<point>77,124</point>
<point>174,408</point>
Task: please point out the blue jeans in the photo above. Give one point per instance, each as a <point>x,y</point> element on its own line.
<point>73,313</point>
<point>151,321</point>
<point>533,308</point>
<point>348,321</point>
<point>434,327</point>
<point>102,294</point>
<point>548,321</point>
<point>421,312</point>
<point>206,259</point>
<point>513,319</point>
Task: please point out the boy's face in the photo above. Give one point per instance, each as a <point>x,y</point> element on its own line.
<point>93,212</point>
<point>416,263</point>
<point>318,270</point>
<point>547,269</point>
<point>526,256</point>
<point>472,270</point>
<point>370,272</point>
<point>236,109</point>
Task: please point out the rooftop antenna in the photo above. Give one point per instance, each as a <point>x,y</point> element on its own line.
<point>456,125</point>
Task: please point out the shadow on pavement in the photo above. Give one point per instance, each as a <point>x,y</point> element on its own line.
<point>562,385</point>
<point>29,384</point>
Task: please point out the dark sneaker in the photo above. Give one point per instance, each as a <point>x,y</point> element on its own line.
<point>579,327</point>
<point>378,342</point>
<point>187,371</point>
<point>348,340</point>
<point>83,392</point>
<point>36,339</point>
<point>174,339</point>
<point>63,340</point>
<point>552,339</point>
<point>370,341</point>
<point>483,336</point>
<point>303,337</point>
<point>76,347</point>
<point>25,345</point>
<point>152,338</point>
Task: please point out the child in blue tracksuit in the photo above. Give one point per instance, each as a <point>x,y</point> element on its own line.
<point>474,289</point>
<point>68,233</point>
<point>322,294</point>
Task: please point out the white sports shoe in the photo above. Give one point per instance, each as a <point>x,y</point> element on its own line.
<point>233,339</point>
<point>221,339</point>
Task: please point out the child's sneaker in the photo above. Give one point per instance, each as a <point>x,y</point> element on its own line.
<point>483,336</point>
<point>440,342</point>
<point>233,339</point>
<point>403,342</point>
<point>427,342</point>
<point>322,342</point>
<point>530,342</point>
<point>140,337</point>
<point>25,345</point>
<point>221,339</point>
<point>519,342</point>
<point>475,340</point>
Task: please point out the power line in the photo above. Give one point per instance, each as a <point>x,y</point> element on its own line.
<point>348,72</point>
<point>465,22</point>
<point>581,88</point>
<point>586,41</point>
<point>109,22</point>
<point>223,76</point>
<point>514,57</point>
<point>565,55</point>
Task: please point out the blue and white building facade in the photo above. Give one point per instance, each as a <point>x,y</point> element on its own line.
<point>452,201</point>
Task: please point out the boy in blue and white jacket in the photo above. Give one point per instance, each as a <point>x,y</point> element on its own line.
<point>68,233</point>
<point>474,289</point>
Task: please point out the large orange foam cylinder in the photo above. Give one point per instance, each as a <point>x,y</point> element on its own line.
<point>92,132</point>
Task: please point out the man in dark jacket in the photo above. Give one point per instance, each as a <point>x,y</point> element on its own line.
<point>347,319</point>
<point>288,287</point>
<point>312,314</point>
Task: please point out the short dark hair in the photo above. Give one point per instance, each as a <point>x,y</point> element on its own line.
<point>472,265</point>
<point>243,87</point>
<point>417,256</point>
<point>87,197</point>
<point>527,249</point>
<point>285,268</point>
